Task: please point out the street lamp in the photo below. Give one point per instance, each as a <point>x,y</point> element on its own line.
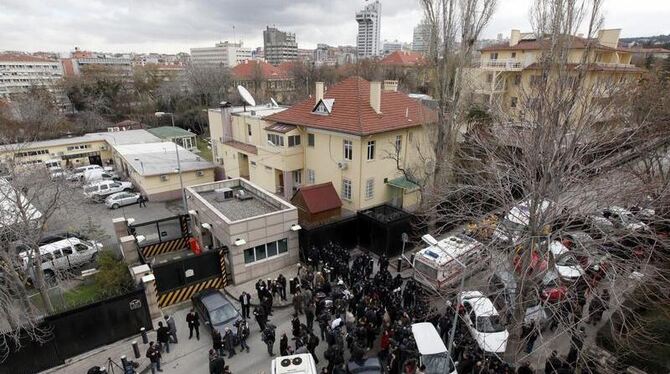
<point>176,150</point>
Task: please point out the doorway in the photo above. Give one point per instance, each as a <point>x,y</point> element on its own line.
<point>95,160</point>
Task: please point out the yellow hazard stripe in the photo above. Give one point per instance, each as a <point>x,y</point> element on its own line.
<point>164,247</point>
<point>185,293</point>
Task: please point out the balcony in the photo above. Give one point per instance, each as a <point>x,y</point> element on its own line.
<point>506,65</point>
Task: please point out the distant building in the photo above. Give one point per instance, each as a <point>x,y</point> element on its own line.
<point>263,79</point>
<point>402,58</point>
<point>391,46</point>
<point>327,55</point>
<point>369,20</point>
<point>421,38</point>
<point>20,72</point>
<point>177,135</point>
<point>279,46</point>
<point>224,54</point>
<point>306,54</point>
<point>82,61</point>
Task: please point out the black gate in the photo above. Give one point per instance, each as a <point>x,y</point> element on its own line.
<point>161,236</point>
<point>381,229</point>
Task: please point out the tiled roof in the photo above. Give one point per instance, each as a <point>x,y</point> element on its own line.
<point>320,197</point>
<point>247,70</point>
<point>244,147</point>
<point>402,58</point>
<point>280,127</point>
<point>352,113</point>
<point>20,57</point>
<point>534,44</point>
<point>288,66</point>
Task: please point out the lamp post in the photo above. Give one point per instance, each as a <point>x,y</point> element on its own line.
<point>176,150</point>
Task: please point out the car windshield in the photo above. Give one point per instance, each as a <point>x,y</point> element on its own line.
<point>489,324</point>
<point>567,260</point>
<point>222,314</point>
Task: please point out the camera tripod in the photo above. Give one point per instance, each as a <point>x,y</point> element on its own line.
<point>111,364</point>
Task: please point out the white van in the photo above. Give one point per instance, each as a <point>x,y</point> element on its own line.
<point>104,188</point>
<point>64,255</point>
<point>95,175</point>
<point>78,173</point>
<point>515,223</point>
<point>295,364</point>
<point>435,267</point>
<point>432,351</point>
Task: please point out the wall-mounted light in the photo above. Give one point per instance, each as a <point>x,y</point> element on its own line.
<point>206,226</point>
<point>240,242</point>
<point>140,238</point>
<point>193,212</point>
<point>295,227</point>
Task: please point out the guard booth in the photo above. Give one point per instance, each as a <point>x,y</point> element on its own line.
<point>380,229</point>
<point>181,266</point>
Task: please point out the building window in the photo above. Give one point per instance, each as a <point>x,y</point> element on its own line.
<point>310,140</point>
<point>398,144</point>
<point>348,150</point>
<point>78,147</point>
<point>297,177</point>
<point>271,249</point>
<point>311,178</point>
<point>263,251</point>
<point>494,56</point>
<point>253,163</point>
<point>513,54</point>
<point>276,140</point>
<point>249,256</point>
<point>371,150</point>
<point>489,78</point>
<point>33,153</point>
<point>370,188</point>
<point>260,252</point>
<point>517,79</point>
<point>346,189</point>
<point>293,140</point>
<point>283,245</point>
<point>249,129</point>
<point>513,102</point>
<point>409,137</point>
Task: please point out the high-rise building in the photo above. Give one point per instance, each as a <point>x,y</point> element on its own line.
<point>22,71</point>
<point>389,47</point>
<point>421,37</point>
<point>279,46</point>
<point>224,54</point>
<point>369,20</point>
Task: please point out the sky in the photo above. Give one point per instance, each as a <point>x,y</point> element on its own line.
<point>171,26</point>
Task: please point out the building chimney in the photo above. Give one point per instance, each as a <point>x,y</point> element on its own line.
<point>514,38</point>
<point>318,91</point>
<point>376,96</point>
<point>391,85</point>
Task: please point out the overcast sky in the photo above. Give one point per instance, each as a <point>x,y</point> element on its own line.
<point>172,26</point>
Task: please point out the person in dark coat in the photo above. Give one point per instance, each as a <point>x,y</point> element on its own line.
<point>261,317</point>
<point>172,326</point>
<point>154,356</point>
<point>553,364</point>
<point>312,343</point>
<point>245,302</point>
<point>216,363</point>
<point>310,310</point>
<point>163,337</point>
<point>229,342</point>
<point>217,342</point>
<point>283,345</point>
<point>193,322</point>
<point>281,286</point>
<point>268,337</point>
<point>524,369</point>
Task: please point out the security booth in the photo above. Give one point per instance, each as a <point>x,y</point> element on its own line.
<point>380,229</point>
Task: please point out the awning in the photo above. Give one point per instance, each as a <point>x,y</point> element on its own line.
<point>403,183</point>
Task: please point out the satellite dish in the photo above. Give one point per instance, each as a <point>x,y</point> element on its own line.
<point>274,103</point>
<point>246,96</point>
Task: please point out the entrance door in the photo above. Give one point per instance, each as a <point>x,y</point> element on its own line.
<point>95,160</point>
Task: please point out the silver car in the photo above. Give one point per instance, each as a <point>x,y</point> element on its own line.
<point>119,199</point>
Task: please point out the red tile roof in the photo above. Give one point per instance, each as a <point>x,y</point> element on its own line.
<point>353,114</point>
<point>244,147</point>
<point>288,66</point>
<point>535,44</point>
<point>20,57</point>
<point>320,197</point>
<point>402,58</point>
<point>247,70</point>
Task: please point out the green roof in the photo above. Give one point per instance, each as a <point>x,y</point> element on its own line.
<point>403,183</point>
<point>169,132</point>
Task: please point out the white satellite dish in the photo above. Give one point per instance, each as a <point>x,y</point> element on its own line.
<point>274,103</point>
<point>246,96</point>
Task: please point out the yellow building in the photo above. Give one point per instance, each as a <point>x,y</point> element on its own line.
<point>507,72</point>
<point>350,135</point>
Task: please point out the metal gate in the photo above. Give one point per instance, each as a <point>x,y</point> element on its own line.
<point>161,236</point>
<point>178,280</point>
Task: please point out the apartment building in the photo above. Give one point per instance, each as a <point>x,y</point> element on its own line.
<point>421,38</point>
<point>224,54</point>
<point>263,79</point>
<point>369,25</point>
<point>350,135</point>
<point>20,72</point>
<point>507,71</point>
<point>279,46</point>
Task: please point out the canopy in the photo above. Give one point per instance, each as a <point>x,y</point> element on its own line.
<point>403,183</point>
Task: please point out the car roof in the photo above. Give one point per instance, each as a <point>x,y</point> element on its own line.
<point>212,299</point>
<point>521,213</point>
<point>428,341</point>
<point>557,248</point>
<point>480,304</point>
<point>64,243</point>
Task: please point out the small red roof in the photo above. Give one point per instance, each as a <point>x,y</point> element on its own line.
<point>351,111</point>
<point>244,147</point>
<point>249,68</point>
<point>320,197</point>
<point>288,66</point>
<point>20,57</point>
<point>402,58</point>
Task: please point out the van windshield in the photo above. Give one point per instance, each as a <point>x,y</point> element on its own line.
<point>437,363</point>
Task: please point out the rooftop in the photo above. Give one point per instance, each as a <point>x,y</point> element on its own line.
<point>352,113</point>
<point>113,138</point>
<point>167,132</point>
<point>257,111</point>
<point>239,199</point>
<point>160,158</point>
<point>249,69</point>
<point>402,58</point>
<point>21,57</point>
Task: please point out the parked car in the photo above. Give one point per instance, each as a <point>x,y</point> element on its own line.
<point>585,249</point>
<point>432,352</point>
<point>56,172</point>
<point>78,173</point>
<point>513,226</point>
<point>215,310</point>
<point>483,321</point>
<point>565,263</point>
<point>104,188</point>
<point>120,199</point>
<point>63,255</point>
<point>95,175</point>
<point>619,218</point>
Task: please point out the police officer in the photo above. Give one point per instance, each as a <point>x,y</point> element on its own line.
<point>268,338</point>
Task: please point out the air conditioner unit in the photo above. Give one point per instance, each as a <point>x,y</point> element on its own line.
<point>164,178</point>
<point>200,173</point>
<point>103,148</point>
<point>342,165</point>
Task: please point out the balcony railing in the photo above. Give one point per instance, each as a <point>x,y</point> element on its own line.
<point>501,64</point>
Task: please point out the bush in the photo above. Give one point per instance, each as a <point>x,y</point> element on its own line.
<point>112,277</point>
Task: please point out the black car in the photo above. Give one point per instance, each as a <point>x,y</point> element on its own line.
<point>215,310</point>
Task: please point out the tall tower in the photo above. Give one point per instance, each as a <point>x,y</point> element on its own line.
<point>279,46</point>
<point>369,20</point>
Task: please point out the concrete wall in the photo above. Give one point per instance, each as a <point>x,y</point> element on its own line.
<point>158,190</point>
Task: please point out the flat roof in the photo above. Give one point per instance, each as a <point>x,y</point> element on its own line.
<point>259,111</point>
<point>256,201</point>
<point>113,138</point>
<point>160,158</point>
<point>166,132</point>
